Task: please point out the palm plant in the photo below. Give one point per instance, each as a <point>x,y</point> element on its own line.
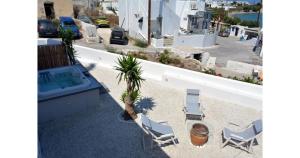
<point>129,71</point>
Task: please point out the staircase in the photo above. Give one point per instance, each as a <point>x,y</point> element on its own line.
<point>168,41</point>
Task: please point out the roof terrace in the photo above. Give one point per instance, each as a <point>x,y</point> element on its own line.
<point>99,132</point>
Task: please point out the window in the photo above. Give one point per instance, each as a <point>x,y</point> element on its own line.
<point>194,6</point>
<point>69,23</point>
<point>194,22</point>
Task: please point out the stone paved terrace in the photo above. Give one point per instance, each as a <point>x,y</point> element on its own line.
<point>99,133</point>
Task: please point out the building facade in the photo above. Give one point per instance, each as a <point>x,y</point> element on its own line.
<point>52,9</point>
<point>172,22</point>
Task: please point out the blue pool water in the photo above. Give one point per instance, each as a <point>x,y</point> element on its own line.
<point>47,81</point>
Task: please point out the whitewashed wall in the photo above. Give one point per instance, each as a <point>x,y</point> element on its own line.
<point>183,8</point>
<point>197,40</point>
<point>131,11</point>
<point>237,92</point>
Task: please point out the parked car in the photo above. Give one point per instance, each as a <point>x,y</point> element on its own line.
<point>85,19</point>
<point>102,22</point>
<point>224,34</point>
<point>68,23</point>
<point>46,28</point>
<point>118,36</point>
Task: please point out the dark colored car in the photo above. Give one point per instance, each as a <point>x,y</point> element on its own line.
<point>46,28</point>
<point>85,19</point>
<point>118,36</point>
<point>68,23</point>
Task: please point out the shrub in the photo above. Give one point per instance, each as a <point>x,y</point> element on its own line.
<point>246,79</point>
<point>232,21</point>
<point>175,61</point>
<point>56,22</point>
<point>210,71</point>
<point>140,43</point>
<point>112,49</point>
<point>139,55</point>
<point>249,23</point>
<point>165,57</point>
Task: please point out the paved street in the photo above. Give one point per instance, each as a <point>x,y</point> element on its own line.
<point>232,49</point>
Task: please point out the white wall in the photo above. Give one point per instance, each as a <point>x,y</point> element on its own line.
<point>157,43</point>
<point>128,9</point>
<point>241,31</point>
<point>237,92</point>
<point>197,40</point>
<point>183,8</point>
<point>170,21</point>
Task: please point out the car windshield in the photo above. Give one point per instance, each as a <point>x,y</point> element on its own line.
<point>103,18</point>
<point>69,23</point>
<point>47,24</point>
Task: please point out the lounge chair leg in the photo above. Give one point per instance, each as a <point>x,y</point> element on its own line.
<point>173,140</point>
<point>143,141</point>
<point>225,143</point>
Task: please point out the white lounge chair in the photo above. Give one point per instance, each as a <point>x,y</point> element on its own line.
<point>193,109</point>
<point>245,139</point>
<point>161,132</point>
<point>192,96</point>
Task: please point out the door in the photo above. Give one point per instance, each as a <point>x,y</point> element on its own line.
<point>236,31</point>
<point>49,10</point>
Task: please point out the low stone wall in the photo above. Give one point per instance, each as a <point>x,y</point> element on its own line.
<point>197,40</point>
<point>90,32</point>
<point>241,93</point>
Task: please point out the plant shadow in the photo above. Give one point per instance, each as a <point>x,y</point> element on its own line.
<point>144,104</point>
<point>91,66</point>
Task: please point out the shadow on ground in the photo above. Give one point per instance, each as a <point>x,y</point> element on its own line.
<point>91,66</point>
<point>95,133</point>
<point>144,105</point>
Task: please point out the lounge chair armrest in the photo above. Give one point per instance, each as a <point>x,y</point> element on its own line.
<point>237,137</point>
<point>166,136</point>
<point>162,122</point>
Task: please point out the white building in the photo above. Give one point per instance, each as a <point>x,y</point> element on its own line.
<point>220,4</point>
<point>243,31</point>
<point>110,6</point>
<point>86,3</point>
<point>173,22</point>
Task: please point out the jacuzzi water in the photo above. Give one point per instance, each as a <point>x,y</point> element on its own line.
<point>57,80</point>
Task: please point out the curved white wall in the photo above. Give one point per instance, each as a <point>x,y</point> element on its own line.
<point>241,93</point>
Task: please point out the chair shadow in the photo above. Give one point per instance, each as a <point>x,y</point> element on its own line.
<point>144,105</point>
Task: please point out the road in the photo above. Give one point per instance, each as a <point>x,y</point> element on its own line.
<point>230,48</point>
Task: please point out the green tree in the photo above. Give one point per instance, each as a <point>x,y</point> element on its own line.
<point>130,72</point>
<point>67,40</point>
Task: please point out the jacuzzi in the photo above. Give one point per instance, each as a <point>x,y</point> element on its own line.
<point>66,91</point>
<point>59,80</point>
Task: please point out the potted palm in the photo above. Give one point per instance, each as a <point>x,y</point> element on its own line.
<point>130,72</point>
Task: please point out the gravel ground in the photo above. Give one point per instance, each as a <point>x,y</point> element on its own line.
<point>99,133</point>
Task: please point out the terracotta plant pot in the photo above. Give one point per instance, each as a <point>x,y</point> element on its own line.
<point>199,134</point>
